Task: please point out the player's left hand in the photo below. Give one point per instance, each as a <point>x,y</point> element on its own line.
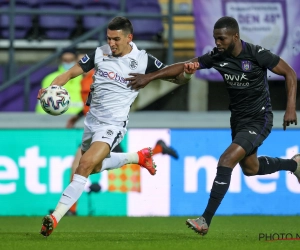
<point>290,117</point>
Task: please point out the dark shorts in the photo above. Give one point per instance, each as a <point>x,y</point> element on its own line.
<point>251,134</point>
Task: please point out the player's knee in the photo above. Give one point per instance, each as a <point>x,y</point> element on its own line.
<point>85,167</point>
<point>226,160</point>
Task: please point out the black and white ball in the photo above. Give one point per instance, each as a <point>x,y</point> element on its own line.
<point>55,100</point>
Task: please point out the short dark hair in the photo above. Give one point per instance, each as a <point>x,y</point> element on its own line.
<point>228,23</point>
<point>121,23</point>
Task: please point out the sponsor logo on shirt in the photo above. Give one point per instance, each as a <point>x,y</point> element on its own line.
<point>235,77</point>
<point>112,75</point>
<point>85,59</point>
<point>223,64</point>
<point>246,65</point>
<point>236,80</point>
<point>133,64</point>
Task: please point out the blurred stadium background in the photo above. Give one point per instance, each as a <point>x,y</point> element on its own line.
<point>36,151</point>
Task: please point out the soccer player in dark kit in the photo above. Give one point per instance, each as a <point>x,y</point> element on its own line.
<point>244,69</point>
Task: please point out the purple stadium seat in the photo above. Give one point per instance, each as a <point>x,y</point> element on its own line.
<point>32,3</point>
<point>22,22</point>
<point>57,26</point>
<point>154,27</point>
<point>78,3</point>
<point>20,2</point>
<point>109,4</point>
<point>90,22</point>
<point>56,2</point>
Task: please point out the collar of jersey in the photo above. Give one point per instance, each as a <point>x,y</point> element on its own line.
<point>133,53</point>
<point>243,48</point>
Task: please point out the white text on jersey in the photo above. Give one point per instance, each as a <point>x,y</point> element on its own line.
<point>112,76</point>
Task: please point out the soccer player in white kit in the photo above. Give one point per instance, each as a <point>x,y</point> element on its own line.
<point>105,124</point>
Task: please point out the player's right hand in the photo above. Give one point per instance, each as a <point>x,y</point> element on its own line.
<point>191,67</point>
<point>137,81</point>
<point>290,117</point>
<point>41,91</point>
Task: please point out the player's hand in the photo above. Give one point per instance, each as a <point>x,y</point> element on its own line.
<point>137,81</point>
<point>191,67</point>
<point>71,122</point>
<point>41,91</point>
<point>290,117</point>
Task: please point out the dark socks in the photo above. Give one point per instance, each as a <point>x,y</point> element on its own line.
<point>218,191</point>
<point>269,165</point>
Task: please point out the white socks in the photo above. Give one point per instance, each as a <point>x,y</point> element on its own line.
<point>117,160</point>
<point>72,193</point>
<point>70,196</point>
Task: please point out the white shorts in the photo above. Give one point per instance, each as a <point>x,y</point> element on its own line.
<point>95,130</point>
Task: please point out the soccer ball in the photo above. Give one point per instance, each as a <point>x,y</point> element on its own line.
<point>55,100</point>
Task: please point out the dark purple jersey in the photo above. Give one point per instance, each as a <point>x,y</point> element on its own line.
<point>245,77</point>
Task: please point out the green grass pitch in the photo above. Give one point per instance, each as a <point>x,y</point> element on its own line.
<point>226,232</point>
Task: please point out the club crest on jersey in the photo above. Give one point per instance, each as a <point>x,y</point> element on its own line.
<point>133,64</point>
<point>246,65</point>
<point>85,59</point>
<point>157,63</point>
<point>109,132</point>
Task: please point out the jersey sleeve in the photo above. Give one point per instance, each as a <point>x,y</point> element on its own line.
<point>266,58</point>
<point>206,61</point>
<point>87,62</point>
<point>153,64</point>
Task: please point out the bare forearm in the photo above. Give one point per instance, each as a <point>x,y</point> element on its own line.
<point>62,79</point>
<point>173,73</point>
<point>169,72</point>
<point>291,89</point>
<point>283,69</point>
<point>181,79</point>
<point>189,70</point>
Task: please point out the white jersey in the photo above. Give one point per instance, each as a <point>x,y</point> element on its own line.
<point>111,98</point>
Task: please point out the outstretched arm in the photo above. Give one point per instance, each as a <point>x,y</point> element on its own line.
<point>62,79</point>
<point>283,69</point>
<point>188,70</point>
<point>174,71</point>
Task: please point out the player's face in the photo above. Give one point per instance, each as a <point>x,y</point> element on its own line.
<point>225,40</point>
<point>118,42</point>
